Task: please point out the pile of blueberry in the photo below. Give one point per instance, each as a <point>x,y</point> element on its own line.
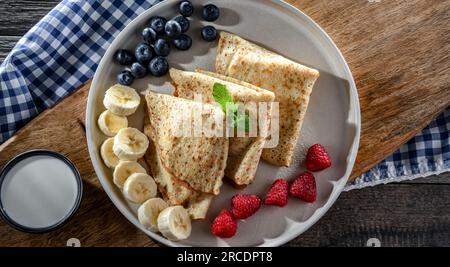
<point>150,56</point>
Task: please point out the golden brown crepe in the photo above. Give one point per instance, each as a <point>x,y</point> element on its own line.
<point>244,152</point>
<point>173,191</point>
<point>291,82</point>
<point>199,161</point>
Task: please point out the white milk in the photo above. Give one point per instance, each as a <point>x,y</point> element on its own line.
<point>39,191</point>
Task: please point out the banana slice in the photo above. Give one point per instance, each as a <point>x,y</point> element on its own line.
<point>106,151</point>
<point>124,170</point>
<point>149,211</point>
<point>130,144</point>
<point>122,100</point>
<point>139,187</point>
<point>174,223</point>
<point>110,123</point>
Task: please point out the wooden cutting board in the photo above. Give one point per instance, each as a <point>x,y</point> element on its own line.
<point>399,54</point>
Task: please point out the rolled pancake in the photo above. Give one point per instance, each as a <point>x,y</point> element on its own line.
<point>173,191</point>
<point>291,82</point>
<point>244,152</point>
<point>197,160</point>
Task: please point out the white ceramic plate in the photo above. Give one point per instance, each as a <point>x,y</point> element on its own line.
<point>333,117</point>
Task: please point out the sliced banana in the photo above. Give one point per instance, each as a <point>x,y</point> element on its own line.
<point>130,144</point>
<point>122,100</point>
<point>140,187</point>
<point>149,211</point>
<point>106,151</point>
<point>174,223</point>
<point>125,169</point>
<point>110,123</point>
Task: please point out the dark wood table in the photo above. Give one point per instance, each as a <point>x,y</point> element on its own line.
<point>415,213</point>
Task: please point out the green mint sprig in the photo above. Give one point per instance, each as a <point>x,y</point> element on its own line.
<point>223,97</point>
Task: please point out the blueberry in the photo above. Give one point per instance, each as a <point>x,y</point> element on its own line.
<point>125,78</point>
<point>186,8</point>
<point>183,42</point>
<point>159,66</point>
<point>149,35</point>
<point>209,33</point>
<point>162,48</point>
<point>138,70</point>
<point>173,28</point>
<point>184,23</point>
<point>158,24</point>
<point>144,53</point>
<point>124,57</point>
<point>210,12</point>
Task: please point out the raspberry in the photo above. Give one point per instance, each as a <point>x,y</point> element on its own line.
<point>304,187</point>
<point>224,225</point>
<point>317,159</point>
<point>244,206</point>
<point>278,193</point>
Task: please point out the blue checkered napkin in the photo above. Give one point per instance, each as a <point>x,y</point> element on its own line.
<point>63,51</point>
<point>426,154</point>
<point>59,54</point>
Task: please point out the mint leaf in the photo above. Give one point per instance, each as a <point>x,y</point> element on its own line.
<point>247,123</point>
<point>238,122</point>
<point>223,97</point>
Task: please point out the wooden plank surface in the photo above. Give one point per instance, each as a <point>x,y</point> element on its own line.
<point>411,213</point>
<point>399,54</point>
<point>396,215</point>
<point>18,16</point>
<point>6,44</point>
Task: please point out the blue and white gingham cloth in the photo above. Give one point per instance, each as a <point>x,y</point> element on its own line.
<point>63,50</point>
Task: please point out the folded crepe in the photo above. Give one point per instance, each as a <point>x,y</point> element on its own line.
<point>197,160</point>
<point>174,191</point>
<point>291,82</point>
<point>244,152</point>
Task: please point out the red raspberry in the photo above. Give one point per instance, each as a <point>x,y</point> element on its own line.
<point>278,193</point>
<point>304,187</point>
<point>224,225</point>
<point>317,159</point>
<point>244,206</point>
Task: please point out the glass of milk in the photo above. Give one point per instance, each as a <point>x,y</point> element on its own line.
<point>39,191</point>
